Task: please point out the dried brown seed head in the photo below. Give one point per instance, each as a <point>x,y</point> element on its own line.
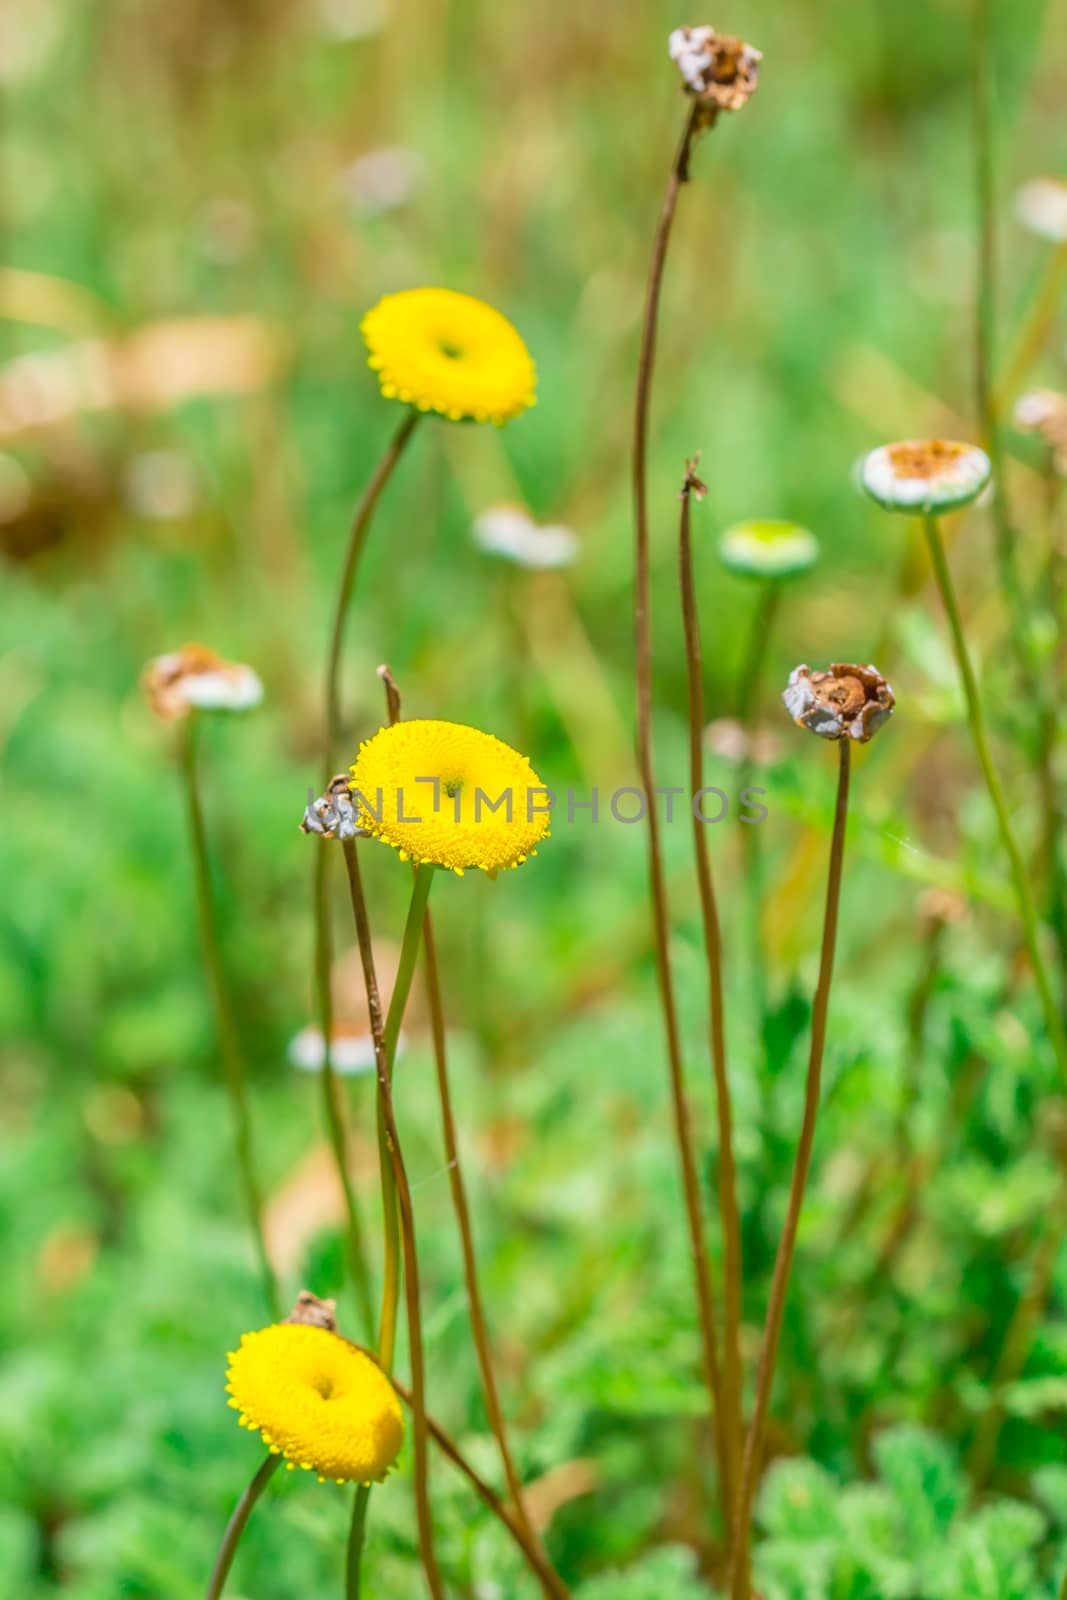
<point>313,1312</point>
<point>939,908</point>
<point>844,702</point>
<point>718,71</point>
<point>333,814</point>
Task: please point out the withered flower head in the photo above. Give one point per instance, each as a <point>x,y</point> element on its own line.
<point>926,475</point>
<point>333,814</point>
<point>313,1312</point>
<point>844,702</point>
<point>719,71</point>
<point>1044,412</point>
<point>195,678</point>
<point>939,908</point>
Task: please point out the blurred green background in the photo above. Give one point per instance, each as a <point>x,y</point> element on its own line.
<point>276,168</point>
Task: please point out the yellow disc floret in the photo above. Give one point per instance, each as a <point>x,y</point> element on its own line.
<point>447,352</point>
<point>448,796</point>
<point>317,1400</point>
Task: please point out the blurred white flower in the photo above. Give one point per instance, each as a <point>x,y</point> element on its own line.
<point>194,678</point>
<point>382,180</point>
<point>926,475</point>
<point>351,1054</point>
<point>508,531</point>
<point>161,485</point>
<point>1041,206</point>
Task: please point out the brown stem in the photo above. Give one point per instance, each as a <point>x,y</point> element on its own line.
<point>332,1102</point>
<point>230,1048</point>
<point>538,1562</point>
<point>657,885</point>
<point>479,1325</point>
<point>709,911</point>
<point>407,1225</point>
<point>740,1587</point>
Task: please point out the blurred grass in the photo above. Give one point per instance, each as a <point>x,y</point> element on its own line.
<point>178,160</point>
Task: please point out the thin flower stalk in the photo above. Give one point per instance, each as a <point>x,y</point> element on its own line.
<point>531,1550</point>
<point>979,738</point>
<point>740,1586</point>
<point>476,1309</point>
<point>679,174</point>
<point>333,1107</point>
<point>709,911</point>
<point>233,1061</point>
<point>236,1526</point>
<point>396,1200</point>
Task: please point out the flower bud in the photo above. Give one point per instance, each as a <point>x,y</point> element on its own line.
<point>719,71</point>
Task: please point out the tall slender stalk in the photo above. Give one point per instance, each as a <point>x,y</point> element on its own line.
<point>332,1102</point>
<point>333,1107</point>
<point>236,1526</point>
<point>979,739</point>
<point>396,1197</point>
<point>709,911</point>
<point>233,1061</point>
<point>476,1309</point>
<point>679,174</point>
<point>740,1585</point>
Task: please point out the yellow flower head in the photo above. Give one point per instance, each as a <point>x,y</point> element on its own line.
<point>447,352</point>
<point>317,1400</point>
<point>448,796</point>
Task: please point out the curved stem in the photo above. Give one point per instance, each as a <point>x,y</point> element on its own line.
<point>740,1581</point>
<point>236,1526</point>
<point>657,883</point>
<point>332,1102</point>
<point>709,911</point>
<point>233,1062</point>
<point>532,1551</point>
<point>979,739</point>
<point>396,1197</point>
<point>357,538</point>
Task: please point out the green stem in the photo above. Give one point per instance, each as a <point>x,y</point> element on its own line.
<point>979,739</point>
<point>740,1584</point>
<point>233,1062</point>
<point>236,1526</point>
<point>332,1102</point>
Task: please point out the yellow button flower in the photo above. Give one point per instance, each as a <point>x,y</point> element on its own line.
<point>447,352</point>
<point>449,796</point>
<point>317,1400</point>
